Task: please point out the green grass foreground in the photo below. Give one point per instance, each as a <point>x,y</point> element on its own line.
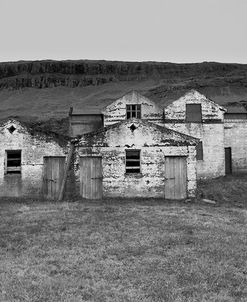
<point>115,251</point>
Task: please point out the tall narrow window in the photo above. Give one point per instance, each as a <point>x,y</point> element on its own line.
<point>199,151</point>
<point>133,161</point>
<point>193,113</point>
<point>133,111</point>
<point>13,161</point>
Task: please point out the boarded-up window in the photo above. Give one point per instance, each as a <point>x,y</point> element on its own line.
<point>199,151</point>
<point>133,111</point>
<point>133,161</point>
<point>13,161</point>
<point>193,113</point>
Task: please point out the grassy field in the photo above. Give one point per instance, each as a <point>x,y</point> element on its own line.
<point>122,251</point>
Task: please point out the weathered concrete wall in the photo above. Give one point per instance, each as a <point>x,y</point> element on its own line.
<point>33,149</point>
<point>212,137</point>
<point>236,138</point>
<point>116,112</point>
<point>211,112</point>
<point>154,142</point>
<point>210,131</point>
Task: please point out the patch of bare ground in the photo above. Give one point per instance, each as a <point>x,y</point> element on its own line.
<point>228,190</point>
<point>122,251</point>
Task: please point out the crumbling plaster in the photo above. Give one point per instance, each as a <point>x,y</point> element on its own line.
<point>116,112</point>
<point>33,149</point>
<point>210,131</point>
<point>211,112</point>
<point>155,144</point>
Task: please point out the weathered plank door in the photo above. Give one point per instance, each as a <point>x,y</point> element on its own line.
<point>176,177</point>
<point>228,160</point>
<point>91,177</point>
<point>53,175</point>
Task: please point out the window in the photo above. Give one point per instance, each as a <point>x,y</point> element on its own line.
<point>133,111</point>
<point>199,151</point>
<point>13,161</point>
<point>193,113</point>
<point>133,161</point>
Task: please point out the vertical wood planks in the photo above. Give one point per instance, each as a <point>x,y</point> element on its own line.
<point>176,177</point>
<point>91,177</point>
<point>53,172</point>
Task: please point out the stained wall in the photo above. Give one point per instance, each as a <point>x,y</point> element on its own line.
<point>116,112</point>
<point>154,143</point>
<point>33,149</point>
<point>210,131</point>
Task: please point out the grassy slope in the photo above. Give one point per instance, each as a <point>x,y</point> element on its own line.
<point>55,102</point>
<point>148,251</point>
<point>162,82</point>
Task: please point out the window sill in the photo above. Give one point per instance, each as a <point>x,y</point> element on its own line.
<point>133,175</point>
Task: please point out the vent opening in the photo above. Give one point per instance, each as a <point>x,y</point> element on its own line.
<point>132,127</point>
<point>11,129</point>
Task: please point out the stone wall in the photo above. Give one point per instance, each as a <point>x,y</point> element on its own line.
<point>212,138</point>
<point>33,149</point>
<point>155,144</point>
<point>211,112</point>
<point>236,138</point>
<point>210,131</point>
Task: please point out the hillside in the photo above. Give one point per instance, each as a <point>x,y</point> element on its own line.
<point>39,91</point>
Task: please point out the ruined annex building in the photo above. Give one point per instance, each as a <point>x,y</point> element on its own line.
<point>132,148</point>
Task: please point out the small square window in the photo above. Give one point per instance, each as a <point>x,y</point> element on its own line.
<point>193,113</point>
<point>133,111</point>
<point>133,164</point>
<point>199,151</point>
<point>13,161</point>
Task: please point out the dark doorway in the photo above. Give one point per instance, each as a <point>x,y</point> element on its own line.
<point>228,160</point>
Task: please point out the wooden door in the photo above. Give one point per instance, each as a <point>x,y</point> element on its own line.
<point>91,177</point>
<point>228,160</point>
<point>176,177</point>
<point>53,175</point>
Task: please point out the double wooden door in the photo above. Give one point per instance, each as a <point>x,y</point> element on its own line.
<point>91,177</point>
<point>53,174</point>
<point>176,177</point>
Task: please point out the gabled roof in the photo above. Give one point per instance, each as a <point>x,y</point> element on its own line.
<point>35,131</point>
<point>196,94</point>
<point>131,96</point>
<point>164,130</point>
<point>236,109</point>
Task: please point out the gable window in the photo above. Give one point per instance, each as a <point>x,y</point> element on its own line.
<point>199,151</point>
<point>13,161</point>
<point>193,113</point>
<point>133,164</point>
<point>133,111</point>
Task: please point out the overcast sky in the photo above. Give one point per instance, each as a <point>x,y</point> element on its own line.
<point>129,30</point>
